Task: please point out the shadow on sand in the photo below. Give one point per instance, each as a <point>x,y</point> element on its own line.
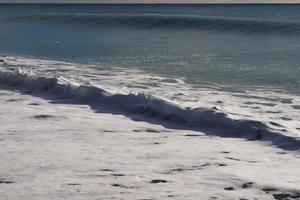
<point>262,134</point>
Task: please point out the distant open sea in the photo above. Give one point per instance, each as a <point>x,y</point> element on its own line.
<point>242,60</point>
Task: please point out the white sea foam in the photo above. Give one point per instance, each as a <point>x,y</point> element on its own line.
<point>211,110</point>
<point>212,120</point>
<point>66,151</point>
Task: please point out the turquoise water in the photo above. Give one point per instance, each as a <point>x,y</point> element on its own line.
<point>231,46</point>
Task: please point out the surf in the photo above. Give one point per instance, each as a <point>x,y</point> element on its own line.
<point>167,21</point>
<point>209,120</point>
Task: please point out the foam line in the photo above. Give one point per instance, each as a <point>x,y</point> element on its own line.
<point>211,120</point>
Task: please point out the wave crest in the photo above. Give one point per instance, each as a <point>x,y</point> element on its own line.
<point>142,106</point>
<point>138,103</point>
<point>169,21</point>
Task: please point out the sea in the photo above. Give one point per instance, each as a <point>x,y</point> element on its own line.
<point>213,65</point>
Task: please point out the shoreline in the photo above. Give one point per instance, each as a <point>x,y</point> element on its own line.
<point>69,152</point>
<point>148,108</point>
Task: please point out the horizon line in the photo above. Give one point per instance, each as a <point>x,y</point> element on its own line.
<point>154,3</point>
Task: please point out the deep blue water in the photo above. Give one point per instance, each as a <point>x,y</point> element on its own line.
<point>228,45</point>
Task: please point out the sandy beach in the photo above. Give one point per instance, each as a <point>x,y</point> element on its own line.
<point>61,151</point>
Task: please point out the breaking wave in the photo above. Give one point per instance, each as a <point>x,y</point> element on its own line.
<point>138,103</point>
<point>169,21</point>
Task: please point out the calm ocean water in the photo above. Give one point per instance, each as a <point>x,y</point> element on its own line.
<point>233,46</point>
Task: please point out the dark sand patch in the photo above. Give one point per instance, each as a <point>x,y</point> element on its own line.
<point>193,135</point>
<point>286,118</point>
<point>280,195</point>
<point>154,181</point>
<point>260,103</point>
<point>247,185</point>
<point>225,152</point>
<point>273,112</point>
<point>229,188</point>
<point>230,158</point>
<point>286,196</point>
<point>275,124</point>
<point>267,190</point>
<point>171,195</point>
<point>210,198</point>
<point>192,168</point>
<point>13,100</point>
<point>117,175</point>
<point>4,181</point>
<point>252,161</point>
<point>108,131</point>
<point>123,186</point>
<point>106,170</point>
<point>281,152</point>
<point>34,104</point>
<point>73,184</point>
<point>150,130</point>
<point>45,117</point>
